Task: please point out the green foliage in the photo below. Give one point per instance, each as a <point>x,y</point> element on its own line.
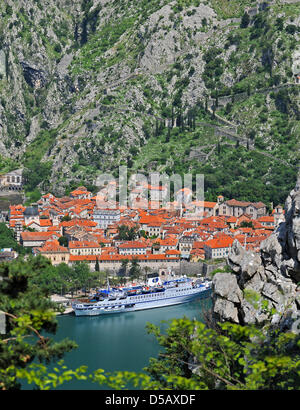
<point>231,357</point>
<point>7,238</point>
<point>63,241</point>
<point>194,356</point>
<point>245,20</point>
<point>135,270</point>
<point>34,174</point>
<point>52,279</point>
<point>39,375</point>
<point>66,218</point>
<point>28,313</point>
<point>7,165</point>
<point>229,9</point>
<point>246,224</point>
<point>225,269</point>
<point>90,54</point>
<point>102,43</point>
<point>214,67</point>
<point>126,233</point>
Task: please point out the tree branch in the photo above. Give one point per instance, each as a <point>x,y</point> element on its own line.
<point>42,338</point>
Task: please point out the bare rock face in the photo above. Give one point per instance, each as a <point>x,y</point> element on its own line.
<point>271,276</point>
<point>34,77</point>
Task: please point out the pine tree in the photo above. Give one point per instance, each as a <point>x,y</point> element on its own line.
<point>28,311</point>
<point>217,99</point>
<point>97,267</point>
<point>245,20</point>
<point>168,135</point>
<point>172,116</point>
<point>248,90</point>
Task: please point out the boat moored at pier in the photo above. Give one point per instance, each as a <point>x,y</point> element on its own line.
<point>153,294</point>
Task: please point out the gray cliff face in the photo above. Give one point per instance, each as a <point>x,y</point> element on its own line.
<point>83,83</point>
<point>273,275</point>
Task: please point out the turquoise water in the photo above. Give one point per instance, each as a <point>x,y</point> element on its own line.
<point>118,341</point>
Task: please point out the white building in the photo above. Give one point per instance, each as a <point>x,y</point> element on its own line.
<point>134,248</point>
<point>12,180</point>
<point>31,214</point>
<point>106,217</point>
<point>84,248</point>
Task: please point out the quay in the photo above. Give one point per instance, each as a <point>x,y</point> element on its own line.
<point>63,301</point>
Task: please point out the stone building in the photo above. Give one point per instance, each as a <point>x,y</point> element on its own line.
<point>78,233</point>
<point>185,244</point>
<point>218,248</point>
<point>12,181</point>
<point>113,263</point>
<point>134,248</point>
<point>36,239</point>
<point>106,217</point>
<point>238,208</point>
<point>53,251</point>
<point>84,248</point>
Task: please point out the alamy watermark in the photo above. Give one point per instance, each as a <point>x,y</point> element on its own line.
<point>153,192</point>
<point>296,324</point>
<point>2,323</point>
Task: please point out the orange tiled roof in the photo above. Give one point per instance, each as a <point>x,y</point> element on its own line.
<point>204,204</point>
<point>198,245</point>
<point>266,219</point>
<point>42,222</point>
<point>38,236</point>
<point>53,229</point>
<point>133,244</point>
<point>197,252</point>
<point>109,249</point>
<point>234,202</point>
<point>231,219</point>
<point>53,246</point>
<point>80,222</point>
<point>172,252</point>
<point>219,243</point>
<point>170,241</point>
<point>83,244</point>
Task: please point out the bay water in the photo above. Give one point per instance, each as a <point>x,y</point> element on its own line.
<point>118,341</point>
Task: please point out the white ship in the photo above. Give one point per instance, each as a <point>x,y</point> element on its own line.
<point>154,294</point>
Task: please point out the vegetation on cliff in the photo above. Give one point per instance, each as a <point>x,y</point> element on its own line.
<point>87,86</point>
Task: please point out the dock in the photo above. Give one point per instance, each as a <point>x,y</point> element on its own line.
<point>63,301</point>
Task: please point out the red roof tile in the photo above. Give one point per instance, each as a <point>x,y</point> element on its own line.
<point>53,246</point>
<point>219,243</point>
<point>83,244</point>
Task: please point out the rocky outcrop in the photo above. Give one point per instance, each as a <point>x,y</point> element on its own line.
<point>34,77</point>
<point>265,282</point>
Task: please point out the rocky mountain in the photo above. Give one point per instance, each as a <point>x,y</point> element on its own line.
<point>262,282</point>
<point>175,86</point>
